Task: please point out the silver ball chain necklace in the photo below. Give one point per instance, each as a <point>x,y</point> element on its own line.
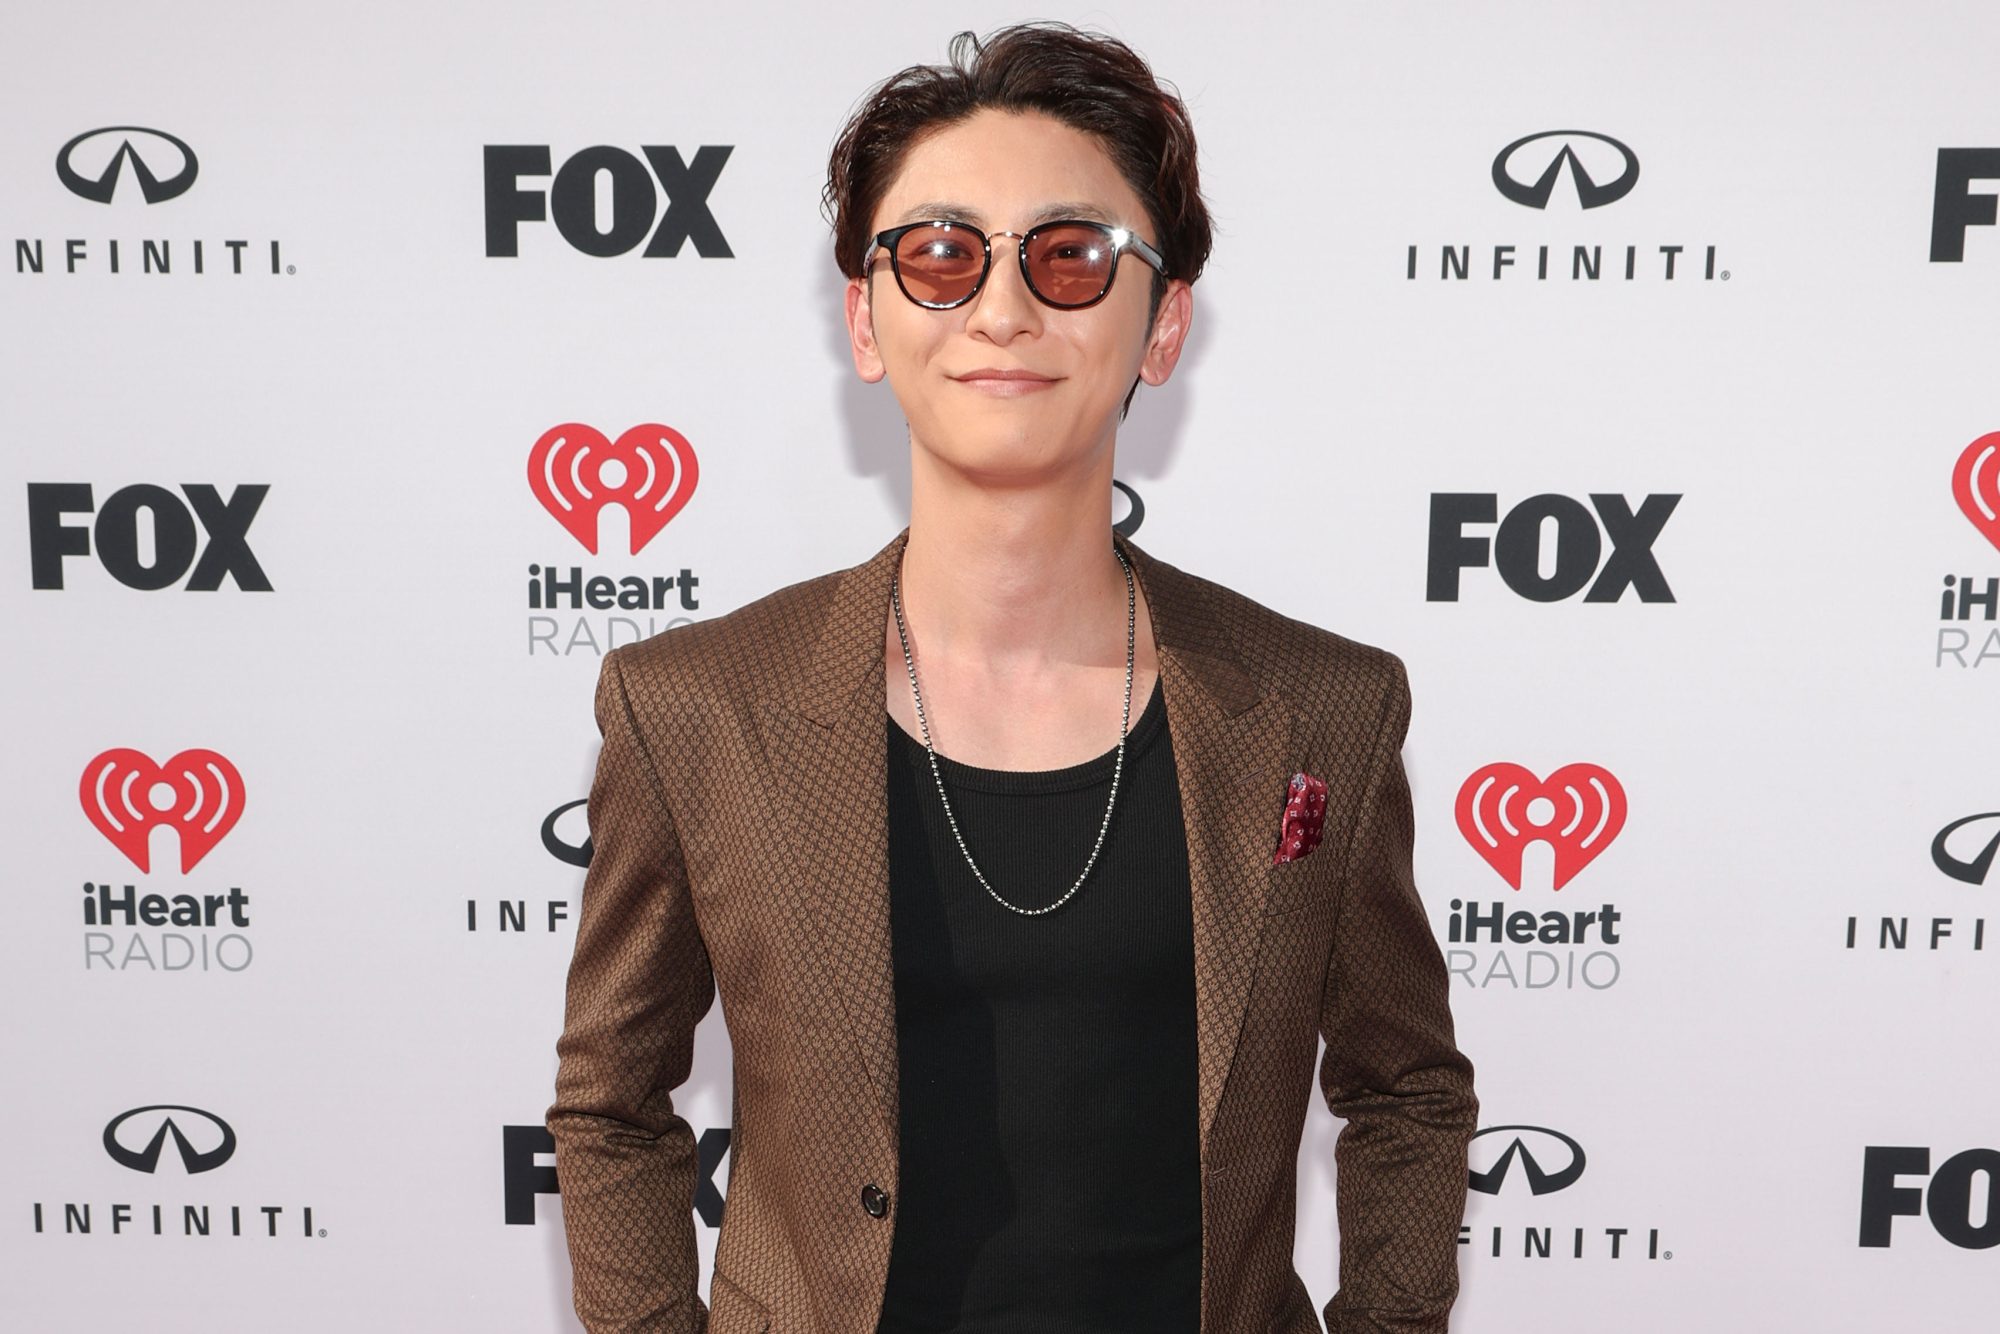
<point>1118,767</point>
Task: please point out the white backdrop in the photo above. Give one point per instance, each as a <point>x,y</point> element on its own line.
<point>1788,735</point>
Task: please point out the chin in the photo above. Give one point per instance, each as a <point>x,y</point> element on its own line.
<point>1016,444</point>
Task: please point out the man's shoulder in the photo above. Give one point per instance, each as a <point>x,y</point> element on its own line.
<point>740,650</point>
<point>763,643</point>
<point>1295,658</point>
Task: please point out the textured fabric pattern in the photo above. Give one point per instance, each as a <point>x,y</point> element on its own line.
<point>701,886</point>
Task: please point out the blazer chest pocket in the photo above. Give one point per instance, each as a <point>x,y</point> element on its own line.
<point>1297,884</point>
<point>734,1311</point>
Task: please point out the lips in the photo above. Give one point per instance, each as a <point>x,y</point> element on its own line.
<point>1006,382</point>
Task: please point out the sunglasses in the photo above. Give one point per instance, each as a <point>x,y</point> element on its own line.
<point>1068,264</point>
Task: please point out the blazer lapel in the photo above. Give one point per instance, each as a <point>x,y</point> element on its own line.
<point>828,748</point>
<point>826,743</point>
<point>1232,751</point>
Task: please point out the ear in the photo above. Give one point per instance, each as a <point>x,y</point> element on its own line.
<point>861,332</point>
<point>1170,331</point>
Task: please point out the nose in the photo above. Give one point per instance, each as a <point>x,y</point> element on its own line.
<point>1004,307</point>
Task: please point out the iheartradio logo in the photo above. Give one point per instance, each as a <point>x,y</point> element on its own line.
<point>1577,810</point>
<point>575,471</point>
<point>197,793</point>
<point>1975,484</point>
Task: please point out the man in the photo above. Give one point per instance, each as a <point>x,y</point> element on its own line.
<point>1023,1021</point>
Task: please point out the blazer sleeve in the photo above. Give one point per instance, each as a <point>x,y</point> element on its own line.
<point>639,982</point>
<point>1392,1071</point>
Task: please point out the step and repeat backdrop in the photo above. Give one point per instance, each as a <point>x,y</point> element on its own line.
<point>1630,371</point>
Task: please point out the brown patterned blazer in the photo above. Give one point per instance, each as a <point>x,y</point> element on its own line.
<point>739,816</point>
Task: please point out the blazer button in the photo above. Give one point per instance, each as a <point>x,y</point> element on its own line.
<point>875,1200</point>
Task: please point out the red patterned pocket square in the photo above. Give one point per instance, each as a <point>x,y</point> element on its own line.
<point>1305,812</point>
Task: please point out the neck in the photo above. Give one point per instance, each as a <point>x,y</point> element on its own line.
<point>1019,584</point>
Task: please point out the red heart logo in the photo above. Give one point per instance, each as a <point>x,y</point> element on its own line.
<point>575,472</point>
<point>1975,484</point>
<point>1578,810</point>
<point>197,792</point>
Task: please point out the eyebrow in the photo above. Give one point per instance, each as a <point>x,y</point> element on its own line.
<point>947,211</point>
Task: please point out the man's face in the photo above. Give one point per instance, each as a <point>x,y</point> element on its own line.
<point>1002,171</point>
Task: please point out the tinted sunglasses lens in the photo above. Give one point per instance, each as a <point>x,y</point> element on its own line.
<point>939,265</point>
<point>1070,265</point>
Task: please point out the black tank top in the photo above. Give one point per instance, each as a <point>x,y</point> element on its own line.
<point>1049,1158</point>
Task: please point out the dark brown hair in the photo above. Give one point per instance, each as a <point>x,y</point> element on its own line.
<point>1086,80</point>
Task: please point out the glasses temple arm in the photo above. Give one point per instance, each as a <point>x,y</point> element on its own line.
<point>1147,253</point>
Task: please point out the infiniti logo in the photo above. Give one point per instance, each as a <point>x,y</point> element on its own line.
<point>1135,515</point>
<point>1535,193</point>
<point>576,854</point>
<point>1973,870</point>
<point>1553,1146</point>
<point>1601,171</point>
<point>154,1124</point>
<point>161,147</point>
